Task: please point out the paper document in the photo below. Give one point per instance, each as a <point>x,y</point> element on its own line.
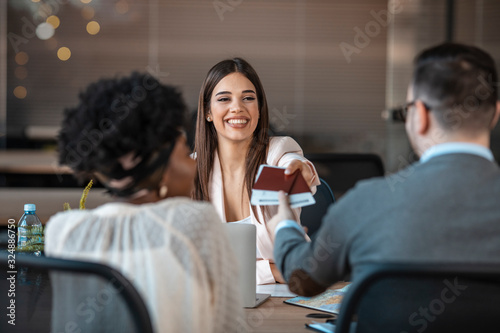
<point>275,289</point>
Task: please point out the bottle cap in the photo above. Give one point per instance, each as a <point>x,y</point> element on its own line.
<point>29,207</point>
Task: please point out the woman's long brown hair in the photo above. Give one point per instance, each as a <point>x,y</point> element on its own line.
<point>206,135</point>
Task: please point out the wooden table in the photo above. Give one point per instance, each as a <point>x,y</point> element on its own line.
<point>276,316</point>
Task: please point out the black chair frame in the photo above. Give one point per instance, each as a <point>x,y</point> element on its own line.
<point>134,301</point>
<point>329,190</point>
<point>375,272</point>
<point>311,216</point>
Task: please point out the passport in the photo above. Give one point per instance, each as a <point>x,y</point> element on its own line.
<point>270,180</point>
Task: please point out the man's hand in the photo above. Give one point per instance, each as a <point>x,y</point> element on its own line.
<point>284,213</point>
<point>304,168</point>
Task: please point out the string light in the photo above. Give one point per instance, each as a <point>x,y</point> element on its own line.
<point>88,12</point>
<point>20,92</point>
<point>22,58</point>
<point>64,53</point>
<point>121,7</point>
<point>54,21</point>
<point>93,28</point>
<point>44,31</point>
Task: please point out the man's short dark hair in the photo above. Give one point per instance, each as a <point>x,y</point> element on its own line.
<point>459,84</point>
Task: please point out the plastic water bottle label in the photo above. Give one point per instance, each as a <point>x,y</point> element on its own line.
<point>22,239</point>
<point>29,235</point>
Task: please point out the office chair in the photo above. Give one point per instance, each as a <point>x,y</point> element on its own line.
<point>311,216</point>
<point>426,298</point>
<point>59,295</point>
<point>342,171</point>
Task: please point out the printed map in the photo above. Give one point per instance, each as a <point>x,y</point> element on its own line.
<point>329,301</point>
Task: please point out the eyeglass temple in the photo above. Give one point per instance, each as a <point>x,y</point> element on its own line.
<point>393,114</point>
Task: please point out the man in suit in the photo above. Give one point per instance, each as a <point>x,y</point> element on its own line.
<point>444,208</point>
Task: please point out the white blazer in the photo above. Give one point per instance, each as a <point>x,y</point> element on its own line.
<point>282,150</point>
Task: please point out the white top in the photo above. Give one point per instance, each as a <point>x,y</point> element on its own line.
<point>282,150</point>
<point>246,220</point>
<point>174,252</point>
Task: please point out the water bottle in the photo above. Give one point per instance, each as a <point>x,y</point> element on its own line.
<point>29,230</point>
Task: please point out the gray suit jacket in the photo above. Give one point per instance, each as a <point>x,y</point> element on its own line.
<point>444,210</point>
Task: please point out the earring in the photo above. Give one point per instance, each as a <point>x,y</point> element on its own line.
<point>163,191</point>
<point>209,118</point>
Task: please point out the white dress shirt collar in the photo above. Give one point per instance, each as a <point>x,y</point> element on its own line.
<point>456,148</point>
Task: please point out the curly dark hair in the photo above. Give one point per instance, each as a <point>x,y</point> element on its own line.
<point>118,116</point>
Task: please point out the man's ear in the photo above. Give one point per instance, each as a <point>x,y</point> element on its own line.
<point>422,118</point>
<point>496,116</point>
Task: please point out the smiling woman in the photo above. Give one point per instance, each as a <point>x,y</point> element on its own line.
<point>231,142</point>
<point>234,108</point>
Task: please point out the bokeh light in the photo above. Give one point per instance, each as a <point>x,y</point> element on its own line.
<point>88,12</point>
<point>86,1</point>
<point>64,53</point>
<point>93,28</point>
<point>45,10</point>
<point>22,58</point>
<point>35,0</point>
<point>44,31</point>
<point>20,92</point>
<point>51,44</point>
<point>21,72</point>
<point>121,7</point>
<point>54,21</point>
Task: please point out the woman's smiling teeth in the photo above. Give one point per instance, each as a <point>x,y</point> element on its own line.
<point>237,121</point>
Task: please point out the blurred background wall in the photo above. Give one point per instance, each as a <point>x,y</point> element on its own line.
<point>329,68</point>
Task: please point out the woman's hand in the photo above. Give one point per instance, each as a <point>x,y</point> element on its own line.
<point>304,168</point>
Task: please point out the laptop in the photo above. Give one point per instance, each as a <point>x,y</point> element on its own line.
<point>243,240</point>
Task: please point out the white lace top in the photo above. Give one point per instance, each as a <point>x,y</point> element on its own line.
<point>174,251</point>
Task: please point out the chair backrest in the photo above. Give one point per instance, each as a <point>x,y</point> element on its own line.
<point>311,216</point>
<point>422,298</point>
<point>59,295</point>
<point>342,171</point>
